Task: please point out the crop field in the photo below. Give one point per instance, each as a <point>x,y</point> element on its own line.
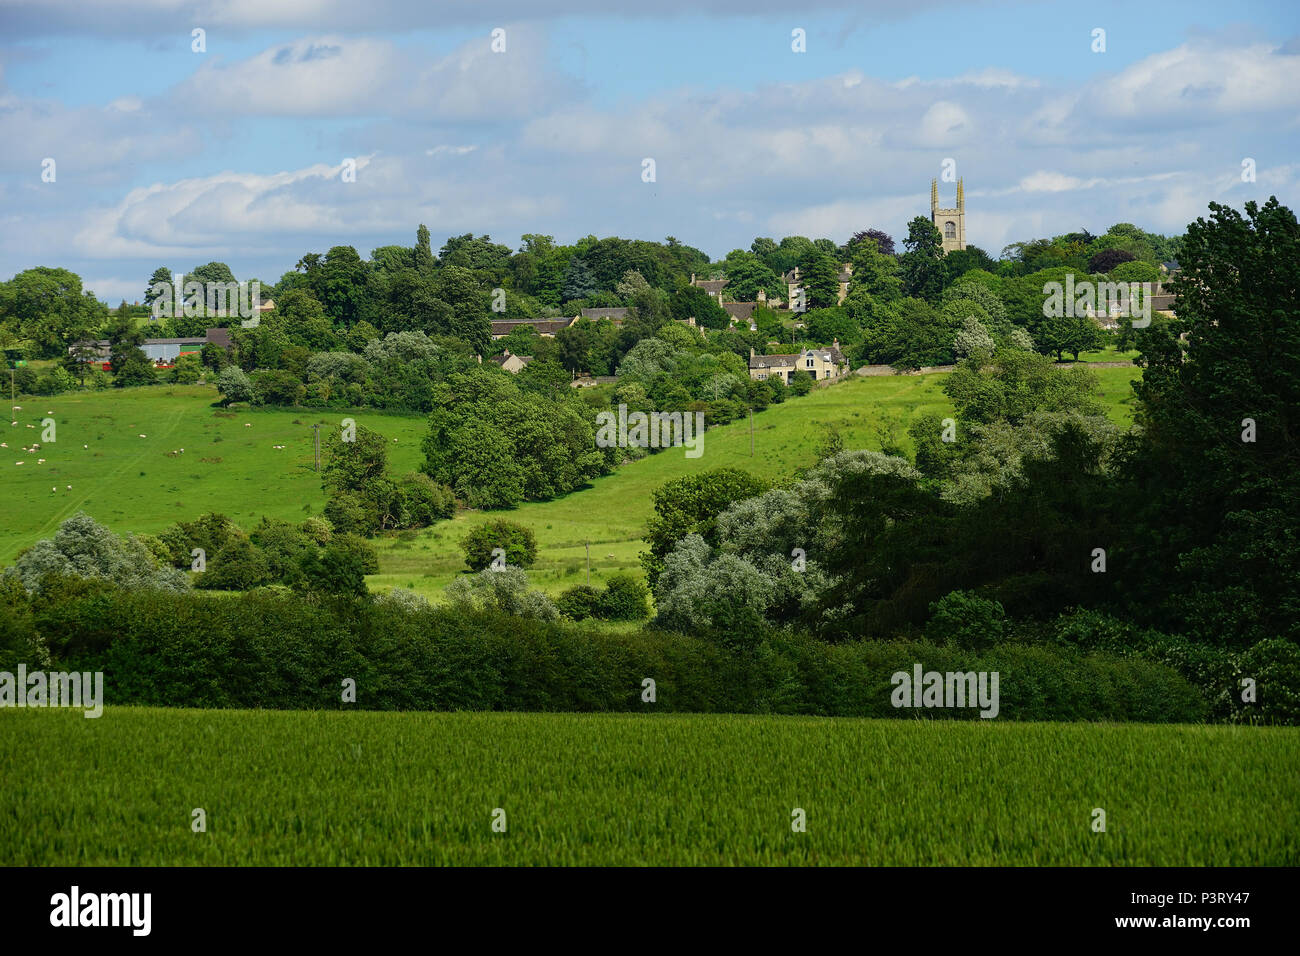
<point>316,788</point>
<point>195,457</point>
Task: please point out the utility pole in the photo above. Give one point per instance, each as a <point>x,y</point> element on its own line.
<point>587,545</point>
<point>751,431</point>
<point>316,430</point>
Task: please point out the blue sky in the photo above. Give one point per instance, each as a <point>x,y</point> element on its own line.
<point>167,156</point>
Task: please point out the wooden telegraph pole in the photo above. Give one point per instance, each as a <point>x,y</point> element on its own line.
<point>587,545</point>
<point>316,430</point>
<point>751,431</point>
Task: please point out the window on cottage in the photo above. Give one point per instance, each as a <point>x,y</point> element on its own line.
<point>950,230</point>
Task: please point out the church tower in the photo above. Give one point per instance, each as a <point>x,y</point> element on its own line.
<point>951,223</point>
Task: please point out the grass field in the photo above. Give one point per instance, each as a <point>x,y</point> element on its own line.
<point>413,788</point>
<point>137,484</point>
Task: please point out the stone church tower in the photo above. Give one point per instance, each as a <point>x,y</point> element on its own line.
<point>951,223</point>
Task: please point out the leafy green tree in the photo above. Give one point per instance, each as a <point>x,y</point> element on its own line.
<point>693,302</point>
<point>691,505</point>
<point>127,360</point>
<point>335,570</point>
<point>161,275</point>
<point>503,591</point>
<point>49,308</point>
<point>747,273</point>
<point>234,385</point>
<point>1210,496</point>
<point>83,548</point>
<point>239,566</point>
<point>423,255</point>
<point>516,540</point>
<point>353,459</point>
<point>819,278</point>
<point>921,267</point>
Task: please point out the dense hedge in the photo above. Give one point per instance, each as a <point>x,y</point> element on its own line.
<point>284,651</point>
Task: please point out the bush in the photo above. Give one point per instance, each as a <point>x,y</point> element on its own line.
<point>516,540</point>
<point>625,599</point>
<point>276,650</point>
<point>277,387</point>
<point>338,569</point>
<point>801,382</point>
<point>349,513</point>
<point>238,566</point>
<point>579,603</point>
<point>506,591</point>
<point>424,501</point>
<point>367,558</point>
<point>234,385</point>
<point>967,620</point>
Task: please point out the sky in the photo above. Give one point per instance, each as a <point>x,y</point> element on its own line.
<point>129,144</point>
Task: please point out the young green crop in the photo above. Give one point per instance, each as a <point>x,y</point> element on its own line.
<point>315,788</point>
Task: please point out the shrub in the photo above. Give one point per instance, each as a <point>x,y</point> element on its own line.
<point>625,599</point>
<point>965,619</point>
<point>349,513</point>
<point>801,382</point>
<point>518,542</point>
<point>505,591</point>
<point>238,566</point>
<point>83,548</point>
<point>277,650</point>
<point>234,385</point>
<point>424,501</point>
<point>338,569</point>
<point>579,603</point>
<point>367,558</point>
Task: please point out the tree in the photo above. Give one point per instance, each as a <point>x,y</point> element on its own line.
<point>161,276</point>
<point>49,308</point>
<point>1210,496</point>
<point>504,591</point>
<point>691,505</point>
<point>336,570</point>
<point>921,266</point>
<point>747,273</point>
<point>884,242</point>
<point>693,302</point>
<point>423,254</point>
<point>973,338</point>
<point>516,541</point>
<point>579,283</point>
<point>819,276</point>
<point>83,548</point>
<point>352,461</point>
<point>127,360</point>
<point>1108,259</point>
<point>234,385</point>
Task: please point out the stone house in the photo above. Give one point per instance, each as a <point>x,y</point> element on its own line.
<point>821,364</point>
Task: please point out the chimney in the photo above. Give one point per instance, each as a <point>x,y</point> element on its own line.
<point>751,355</point>
<point>692,278</point>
